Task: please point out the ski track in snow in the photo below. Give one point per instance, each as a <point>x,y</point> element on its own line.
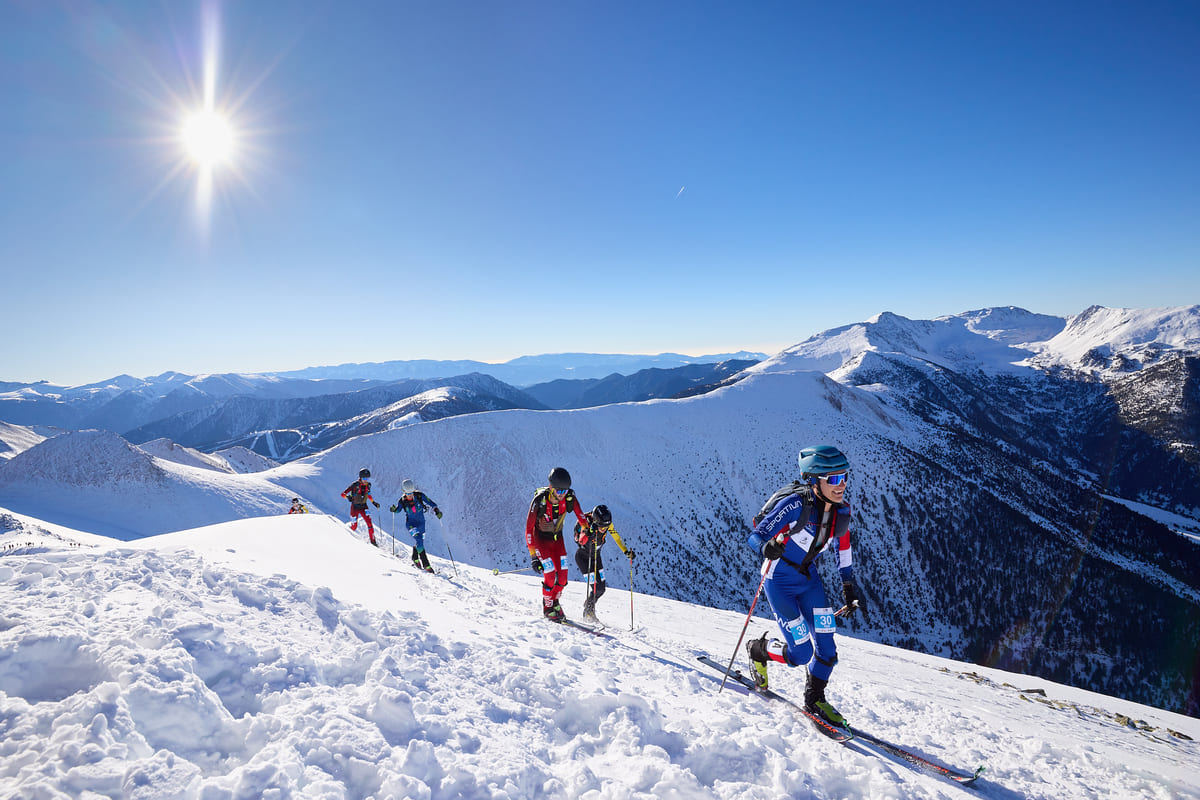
<point>284,657</point>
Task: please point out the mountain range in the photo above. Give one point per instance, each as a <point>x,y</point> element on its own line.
<point>1024,486</point>
<point>283,418</point>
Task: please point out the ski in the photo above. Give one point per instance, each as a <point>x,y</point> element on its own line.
<point>835,732</point>
<point>570,623</point>
<point>850,733</point>
<point>964,778</point>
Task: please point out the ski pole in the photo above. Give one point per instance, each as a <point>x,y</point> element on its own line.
<point>446,542</point>
<point>766,567</point>
<point>393,534</point>
<point>631,593</point>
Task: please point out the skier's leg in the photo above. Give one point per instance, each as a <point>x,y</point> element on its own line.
<point>796,647</point>
<point>599,585</point>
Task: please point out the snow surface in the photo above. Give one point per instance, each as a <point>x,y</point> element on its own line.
<point>285,657</point>
<point>17,439</point>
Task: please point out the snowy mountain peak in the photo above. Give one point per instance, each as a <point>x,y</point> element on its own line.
<point>1011,325</point>
<point>1111,341</point>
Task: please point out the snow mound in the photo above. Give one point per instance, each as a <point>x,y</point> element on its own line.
<point>82,458</point>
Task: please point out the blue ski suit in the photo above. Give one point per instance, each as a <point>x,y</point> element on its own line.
<point>793,585</point>
<point>414,507</point>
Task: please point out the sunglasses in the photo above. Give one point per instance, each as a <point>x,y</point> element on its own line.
<point>835,480</point>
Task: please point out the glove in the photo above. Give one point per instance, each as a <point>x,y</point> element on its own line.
<point>392,509</point>
<point>438,512</point>
<point>376,504</point>
<point>854,600</point>
<point>773,549</point>
<point>537,563</point>
<point>583,538</point>
<point>629,552</point>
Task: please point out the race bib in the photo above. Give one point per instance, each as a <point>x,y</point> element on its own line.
<point>797,630</point>
<point>824,621</point>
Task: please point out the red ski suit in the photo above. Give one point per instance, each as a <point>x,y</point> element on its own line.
<point>543,537</point>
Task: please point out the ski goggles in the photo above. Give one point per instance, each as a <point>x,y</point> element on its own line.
<point>836,480</point>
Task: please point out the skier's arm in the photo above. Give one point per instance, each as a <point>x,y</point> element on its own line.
<point>578,511</point>
<point>530,521</point>
<point>779,521</point>
<point>845,558</point>
<point>617,538</point>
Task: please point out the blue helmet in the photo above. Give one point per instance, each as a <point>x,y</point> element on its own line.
<point>821,460</point>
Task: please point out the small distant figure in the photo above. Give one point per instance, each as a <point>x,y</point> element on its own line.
<point>359,494</point>
<point>297,507</point>
<point>589,539</point>
<point>414,504</point>
<point>543,538</point>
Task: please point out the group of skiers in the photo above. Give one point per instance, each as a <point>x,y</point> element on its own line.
<point>797,524</point>
<point>548,550</point>
<point>412,502</point>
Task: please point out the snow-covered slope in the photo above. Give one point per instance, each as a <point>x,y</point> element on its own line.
<point>282,657</point>
<point>998,341</point>
<point>17,439</point>
<point>169,451</point>
<point>244,460</point>
<point>95,480</point>
<point>1118,340</point>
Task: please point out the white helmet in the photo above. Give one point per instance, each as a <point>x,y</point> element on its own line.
<point>408,486</point>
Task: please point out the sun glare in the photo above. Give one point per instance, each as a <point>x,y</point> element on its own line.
<point>208,139</point>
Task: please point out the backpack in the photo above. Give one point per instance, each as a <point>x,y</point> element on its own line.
<point>795,487</point>
<point>359,491</point>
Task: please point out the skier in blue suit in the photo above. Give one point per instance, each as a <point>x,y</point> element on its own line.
<point>796,525</point>
<point>414,504</point>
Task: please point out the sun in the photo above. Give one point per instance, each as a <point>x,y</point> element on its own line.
<point>208,138</point>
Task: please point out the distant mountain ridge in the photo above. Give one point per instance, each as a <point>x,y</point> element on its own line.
<point>520,372</point>
<point>646,384</point>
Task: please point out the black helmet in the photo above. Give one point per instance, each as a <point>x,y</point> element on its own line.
<point>560,479</point>
<point>364,473</point>
<point>601,515</point>
<point>295,499</point>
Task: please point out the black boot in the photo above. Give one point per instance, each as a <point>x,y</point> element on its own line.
<point>589,609</point>
<point>815,702</point>
<point>425,562</point>
<point>757,650</point>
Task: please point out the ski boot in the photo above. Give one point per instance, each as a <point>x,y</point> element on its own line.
<point>589,610</point>
<point>554,612</point>
<point>421,560</point>
<point>815,702</point>
<point>757,650</point>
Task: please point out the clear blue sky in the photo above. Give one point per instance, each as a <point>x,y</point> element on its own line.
<point>493,179</point>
